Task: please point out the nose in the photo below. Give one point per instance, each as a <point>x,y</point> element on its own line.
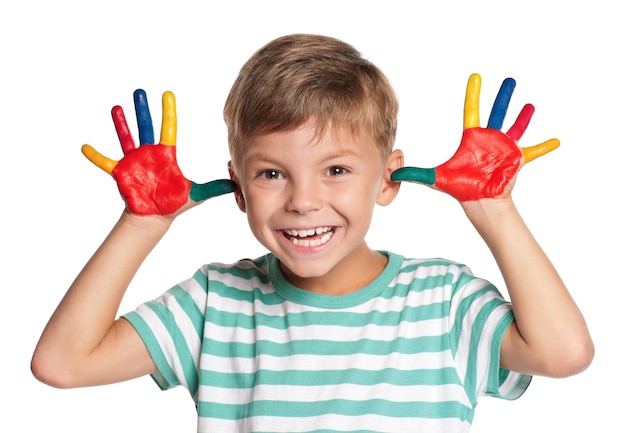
<point>304,196</point>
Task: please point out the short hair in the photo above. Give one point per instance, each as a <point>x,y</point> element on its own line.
<point>298,78</point>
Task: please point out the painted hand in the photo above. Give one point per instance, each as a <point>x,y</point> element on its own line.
<point>487,159</point>
<point>148,176</point>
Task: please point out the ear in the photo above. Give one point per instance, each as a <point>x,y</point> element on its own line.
<point>241,203</point>
<point>388,188</point>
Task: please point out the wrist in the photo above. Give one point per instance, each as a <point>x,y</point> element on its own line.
<point>488,214</point>
<point>157,225</point>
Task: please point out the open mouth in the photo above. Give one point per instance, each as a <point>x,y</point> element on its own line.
<point>309,237</point>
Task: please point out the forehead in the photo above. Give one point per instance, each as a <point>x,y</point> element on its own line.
<point>310,138</point>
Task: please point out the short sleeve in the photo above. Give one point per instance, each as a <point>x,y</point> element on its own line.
<point>503,383</point>
<point>171,327</point>
<point>479,318</point>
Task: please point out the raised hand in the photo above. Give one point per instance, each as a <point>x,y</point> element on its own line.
<point>148,176</point>
<point>487,160</point>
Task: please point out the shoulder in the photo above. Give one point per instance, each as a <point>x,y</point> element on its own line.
<point>436,275</point>
<point>243,268</point>
<point>243,276</point>
<point>429,267</point>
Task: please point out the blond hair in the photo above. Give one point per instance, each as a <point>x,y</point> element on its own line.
<point>298,78</point>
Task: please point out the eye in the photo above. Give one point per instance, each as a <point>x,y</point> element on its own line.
<point>269,174</point>
<point>336,170</point>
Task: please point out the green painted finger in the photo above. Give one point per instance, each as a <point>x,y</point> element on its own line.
<point>414,174</point>
<point>200,192</point>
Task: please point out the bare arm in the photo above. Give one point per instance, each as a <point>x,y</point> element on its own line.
<point>549,336</point>
<point>83,344</point>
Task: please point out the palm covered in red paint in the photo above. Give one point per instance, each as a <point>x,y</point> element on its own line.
<point>150,180</point>
<point>148,177</point>
<point>487,159</point>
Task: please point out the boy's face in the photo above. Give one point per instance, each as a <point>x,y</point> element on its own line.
<point>310,201</point>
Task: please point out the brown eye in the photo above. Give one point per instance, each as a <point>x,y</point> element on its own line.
<point>337,170</point>
<point>270,174</point>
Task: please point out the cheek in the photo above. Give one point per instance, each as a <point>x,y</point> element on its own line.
<point>368,190</point>
<point>260,205</point>
<point>360,199</point>
<point>257,219</point>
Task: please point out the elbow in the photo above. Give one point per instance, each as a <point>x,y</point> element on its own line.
<point>47,370</point>
<point>572,360</point>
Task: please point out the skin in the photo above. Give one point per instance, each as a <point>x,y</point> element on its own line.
<point>293,184</point>
<point>332,183</point>
<point>549,336</point>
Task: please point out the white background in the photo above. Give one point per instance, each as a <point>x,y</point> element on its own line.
<point>64,64</point>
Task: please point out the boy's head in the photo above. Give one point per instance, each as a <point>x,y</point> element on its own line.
<point>301,78</point>
<point>311,126</point>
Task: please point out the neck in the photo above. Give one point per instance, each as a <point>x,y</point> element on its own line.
<point>350,275</point>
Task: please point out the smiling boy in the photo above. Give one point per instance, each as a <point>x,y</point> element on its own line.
<point>310,201</point>
<point>322,333</point>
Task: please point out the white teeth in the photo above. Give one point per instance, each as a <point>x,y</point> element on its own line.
<point>311,243</point>
<point>308,232</point>
<point>299,237</point>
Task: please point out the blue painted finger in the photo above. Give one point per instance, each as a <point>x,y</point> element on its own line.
<point>144,120</point>
<point>501,104</point>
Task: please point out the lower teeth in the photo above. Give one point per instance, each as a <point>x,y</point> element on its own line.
<point>311,242</point>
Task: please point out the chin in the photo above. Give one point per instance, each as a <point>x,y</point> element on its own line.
<point>305,270</point>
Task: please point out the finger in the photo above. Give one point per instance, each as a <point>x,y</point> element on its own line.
<point>168,123</point>
<point>144,120</point>
<point>534,152</point>
<point>121,127</point>
<point>521,123</point>
<point>200,192</point>
<point>471,116</point>
<point>414,174</point>
<point>501,104</point>
<point>98,159</point>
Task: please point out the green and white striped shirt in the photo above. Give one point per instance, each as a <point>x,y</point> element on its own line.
<point>412,351</point>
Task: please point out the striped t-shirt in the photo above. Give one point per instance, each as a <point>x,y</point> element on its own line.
<point>412,351</point>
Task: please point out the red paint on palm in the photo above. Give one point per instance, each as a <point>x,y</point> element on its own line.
<point>150,180</point>
<point>482,166</point>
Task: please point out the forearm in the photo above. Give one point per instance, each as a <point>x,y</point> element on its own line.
<point>547,320</point>
<point>89,308</point>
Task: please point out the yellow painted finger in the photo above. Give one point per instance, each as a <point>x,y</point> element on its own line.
<point>533,152</point>
<point>168,123</point>
<point>98,159</point>
<point>471,115</point>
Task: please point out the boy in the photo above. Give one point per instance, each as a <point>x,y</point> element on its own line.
<point>322,333</point>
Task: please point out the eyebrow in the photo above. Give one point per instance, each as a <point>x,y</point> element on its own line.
<point>338,153</point>
<point>258,157</point>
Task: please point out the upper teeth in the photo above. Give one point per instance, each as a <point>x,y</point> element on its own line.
<point>307,232</point>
